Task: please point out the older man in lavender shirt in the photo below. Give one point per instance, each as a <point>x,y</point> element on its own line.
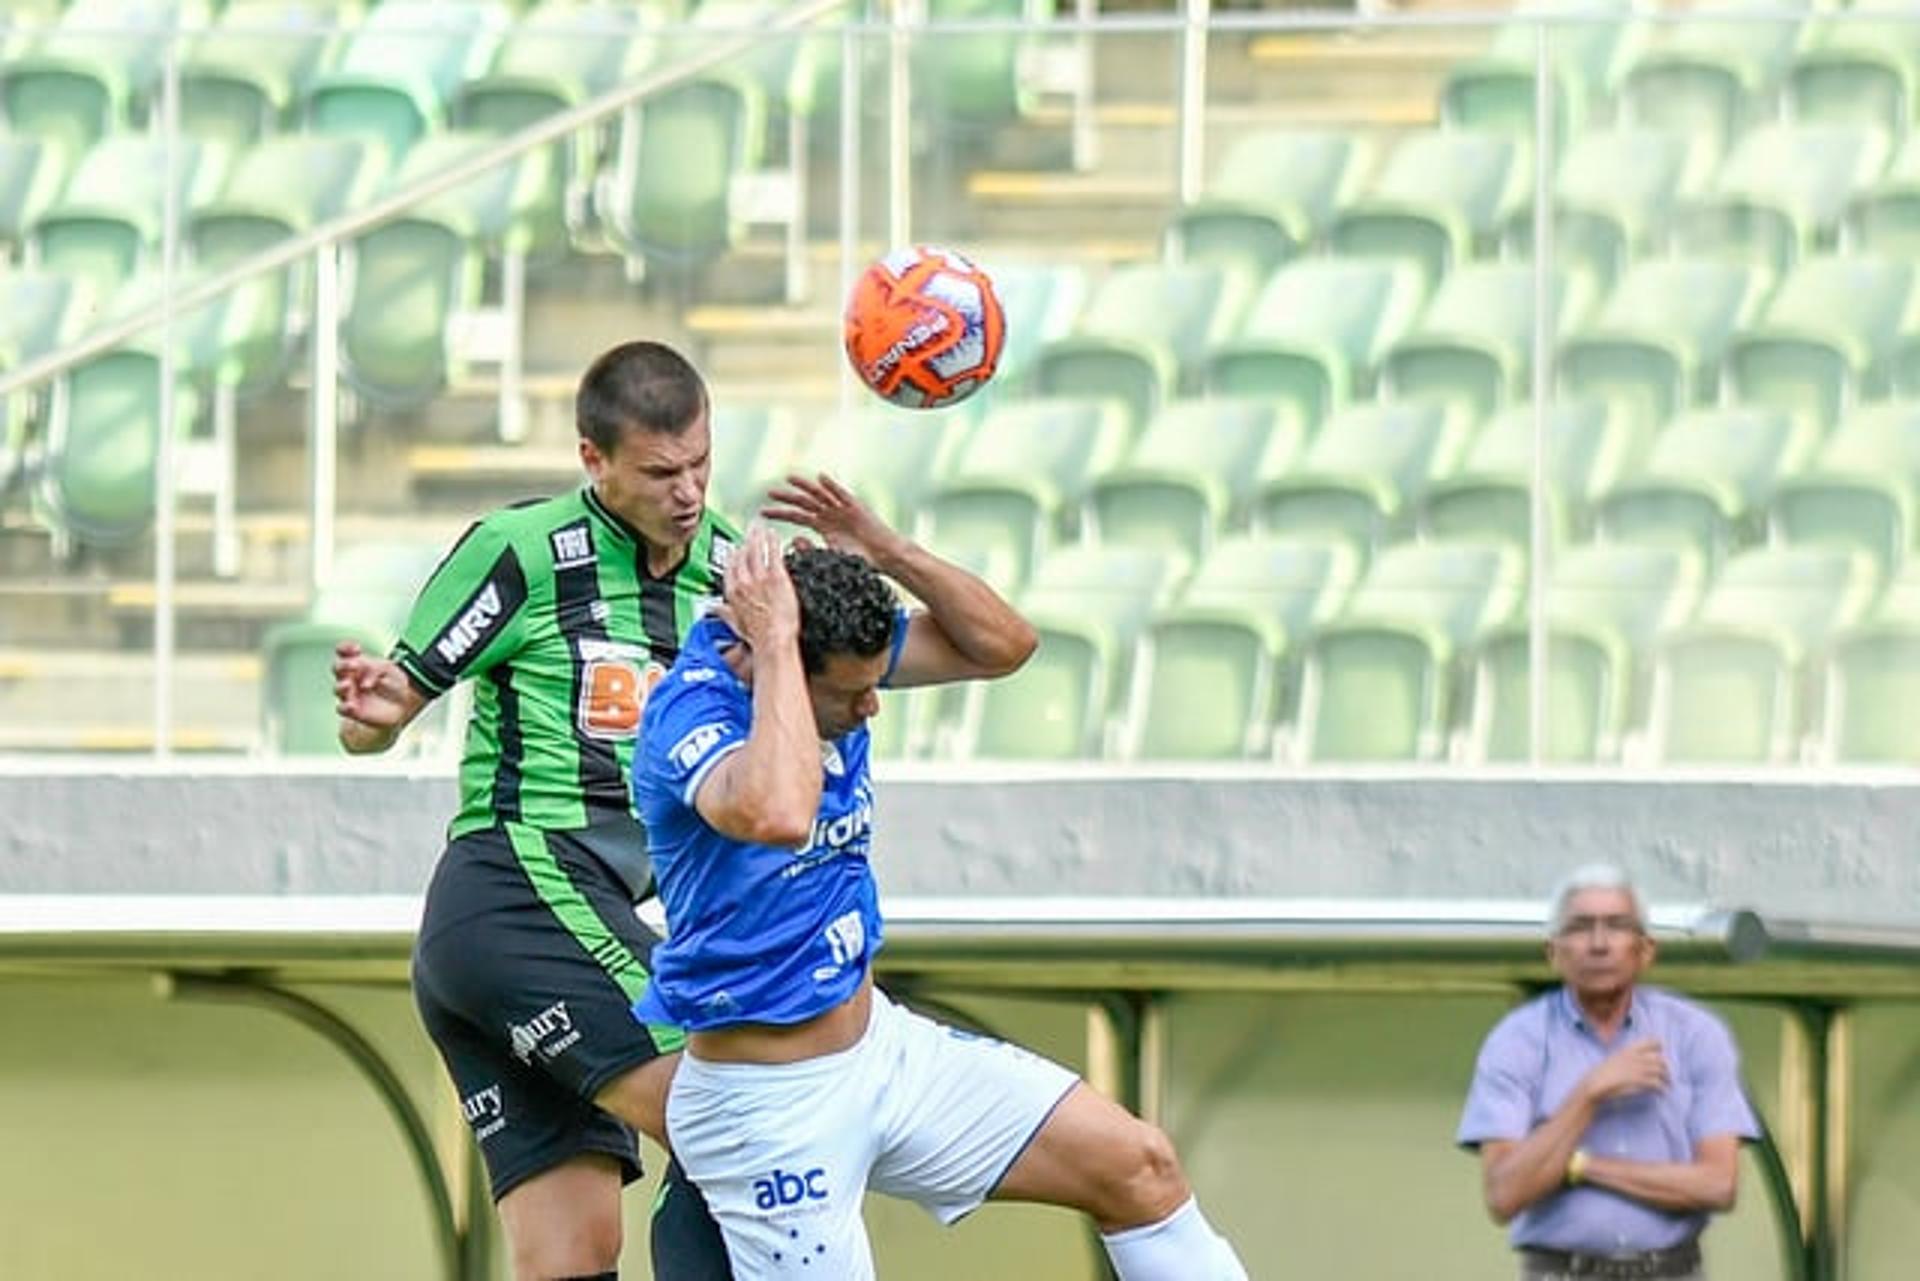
<point>1608,1115</point>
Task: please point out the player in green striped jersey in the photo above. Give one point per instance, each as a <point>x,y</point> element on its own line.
<point>563,611</point>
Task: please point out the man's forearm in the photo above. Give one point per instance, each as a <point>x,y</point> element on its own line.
<point>782,753</point>
<point>1536,1166</point>
<point>985,629</point>
<point>1665,1185</point>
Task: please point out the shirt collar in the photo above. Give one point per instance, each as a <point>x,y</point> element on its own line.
<point>1578,1017</point>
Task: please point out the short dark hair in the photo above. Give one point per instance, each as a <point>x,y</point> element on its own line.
<point>644,385</point>
<point>845,606</point>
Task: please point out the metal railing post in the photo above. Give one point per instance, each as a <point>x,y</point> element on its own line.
<point>1193,99</point>
<point>324,415</point>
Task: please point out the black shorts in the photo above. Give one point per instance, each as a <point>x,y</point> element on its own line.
<point>525,971</point>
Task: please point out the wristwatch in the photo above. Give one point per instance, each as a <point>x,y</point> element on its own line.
<point>1577,1167</point>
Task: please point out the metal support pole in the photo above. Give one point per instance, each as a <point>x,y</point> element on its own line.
<point>1539,654</point>
<point>226,453</point>
<point>852,52</point>
<point>900,122</point>
<point>1086,128</point>
<point>166,455</point>
<point>324,419</point>
<point>513,358</point>
<point>1193,100</point>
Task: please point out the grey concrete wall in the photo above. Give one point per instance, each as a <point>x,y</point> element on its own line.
<point>1846,849</point>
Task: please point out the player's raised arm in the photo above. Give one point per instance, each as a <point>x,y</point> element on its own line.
<point>768,790</point>
<point>967,632</point>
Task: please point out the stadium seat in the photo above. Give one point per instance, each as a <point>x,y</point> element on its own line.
<point>754,446</point>
<point>1360,473</point>
<point>974,83</point>
<point>1017,475</point>
<point>81,79</point>
<point>107,225</point>
<point>1825,339</point>
<point>1860,72</point>
<point>410,276</point>
<point>1188,475</point>
<point>1782,191</point>
<point>1142,326</point>
<point>1869,680</point>
<point>1089,605</point>
<point>1708,78</point>
<point>1472,349</point>
<point>892,458</point>
<point>1272,195</point>
<point>1613,194</point>
<point>558,56</point>
<point>1212,674</point>
<point>239,80</point>
<point>1605,603</point>
<point>395,80</point>
<point>1495,90</point>
<point>1654,347</point>
<point>1707,480</point>
<point>1490,497</point>
<point>1436,201</point>
<point>32,172</point>
<point>1862,490</point>
<point>38,312</point>
<point>667,199</point>
<point>1315,333</point>
<point>1726,687</point>
<point>280,188</point>
<point>1885,214</point>
<point>1377,682</point>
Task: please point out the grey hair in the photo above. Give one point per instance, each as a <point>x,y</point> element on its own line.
<point>1593,876</point>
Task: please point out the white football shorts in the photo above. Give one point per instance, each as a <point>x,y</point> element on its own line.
<point>914,1109</point>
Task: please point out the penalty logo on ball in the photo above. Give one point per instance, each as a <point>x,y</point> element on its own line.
<point>924,327</point>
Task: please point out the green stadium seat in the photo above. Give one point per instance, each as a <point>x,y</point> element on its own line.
<point>1041,301</point>
<point>1707,480</point>
<point>1726,687</point>
<point>1272,195</point>
<point>1213,672</point>
<point>1360,473</point>
<point>893,459</point>
<point>1613,194</point>
<point>394,81</point>
<point>1858,72</point>
<point>1708,78</point>
<point>1377,682</point>
<point>1885,214</point>
<point>1494,91</point>
<point>1439,198</point>
<point>1654,347</point>
<point>1872,679</point>
<point>668,197</point>
<point>1472,349</point>
<point>1189,474</point>
<point>1605,603</point>
<point>753,446</point>
<point>1023,470</point>
<point>240,79</point>
<point>1490,497</point>
<point>411,275</point>
<point>81,79</point>
<point>560,55</point>
<point>32,172</point>
<point>107,225</point>
<point>1314,335</point>
<point>1783,190</point>
<point>1089,606</point>
<point>280,188</point>
<point>1862,490</point>
<point>1142,326</point>
<point>973,83</point>
<point>1826,337</point>
<point>38,312</point>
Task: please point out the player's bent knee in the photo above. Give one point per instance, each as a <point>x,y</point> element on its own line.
<point>1151,1184</point>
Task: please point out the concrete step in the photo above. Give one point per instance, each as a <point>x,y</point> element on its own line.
<point>71,699</point>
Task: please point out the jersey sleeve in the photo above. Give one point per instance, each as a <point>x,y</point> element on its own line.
<point>468,615</point>
<point>699,723</point>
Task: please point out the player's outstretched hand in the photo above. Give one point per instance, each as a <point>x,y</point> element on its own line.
<point>368,689</point>
<point>761,605</point>
<point>829,508</point>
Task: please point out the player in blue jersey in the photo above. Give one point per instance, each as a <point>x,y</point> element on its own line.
<point>802,1085</point>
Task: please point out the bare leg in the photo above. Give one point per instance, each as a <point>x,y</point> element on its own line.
<point>1095,1156</point>
<point>565,1222</point>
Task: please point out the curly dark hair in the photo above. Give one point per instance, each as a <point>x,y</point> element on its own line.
<point>845,606</point>
<point>643,386</point>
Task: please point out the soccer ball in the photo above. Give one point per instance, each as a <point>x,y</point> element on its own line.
<point>924,327</point>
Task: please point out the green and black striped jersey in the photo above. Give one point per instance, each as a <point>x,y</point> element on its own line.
<point>549,606</point>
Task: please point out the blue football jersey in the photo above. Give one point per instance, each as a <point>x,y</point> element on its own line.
<point>756,933</point>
